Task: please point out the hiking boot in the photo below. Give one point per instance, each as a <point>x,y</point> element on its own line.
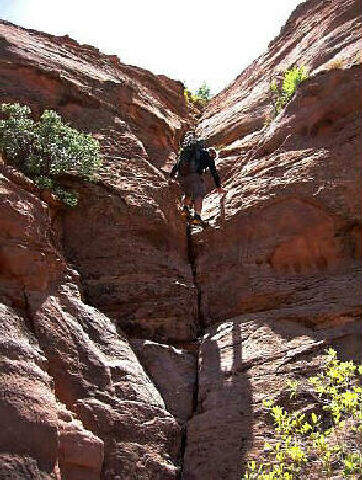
<point>185,211</point>
<point>197,219</point>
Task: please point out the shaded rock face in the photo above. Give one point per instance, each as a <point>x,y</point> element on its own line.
<point>131,350</point>
<point>152,295</point>
<point>242,361</point>
<point>173,371</point>
<point>69,379</point>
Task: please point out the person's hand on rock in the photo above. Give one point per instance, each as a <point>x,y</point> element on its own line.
<point>220,190</point>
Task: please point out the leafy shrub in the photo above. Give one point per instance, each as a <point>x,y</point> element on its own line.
<point>69,198</point>
<point>46,149</point>
<point>204,92</point>
<point>201,97</point>
<point>282,91</point>
<point>330,439</point>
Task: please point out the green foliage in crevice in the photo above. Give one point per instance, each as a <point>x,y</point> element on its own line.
<point>283,88</point>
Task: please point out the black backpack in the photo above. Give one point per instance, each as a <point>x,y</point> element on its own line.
<point>190,157</point>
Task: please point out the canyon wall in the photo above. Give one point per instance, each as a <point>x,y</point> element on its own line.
<point>77,404</point>
<point>279,271</point>
<point>131,348</point>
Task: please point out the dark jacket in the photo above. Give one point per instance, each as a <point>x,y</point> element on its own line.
<point>204,162</point>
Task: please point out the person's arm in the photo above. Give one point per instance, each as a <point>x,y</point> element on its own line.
<point>175,169</point>
<point>214,172</point>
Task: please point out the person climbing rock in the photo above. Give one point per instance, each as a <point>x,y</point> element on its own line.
<point>194,159</point>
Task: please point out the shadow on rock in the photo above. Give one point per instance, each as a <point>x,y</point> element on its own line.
<point>219,435</point>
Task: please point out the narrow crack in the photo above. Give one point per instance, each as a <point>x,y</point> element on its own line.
<point>28,317</point>
<point>192,262</point>
<point>200,325</point>
<point>200,316</point>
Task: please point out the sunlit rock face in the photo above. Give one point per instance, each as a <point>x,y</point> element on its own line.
<point>288,228</point>
<point>279,268</point>
<point>319,35</point>
<point>70,377</point>
<point>94,91</point>
<point>132,350</point>
<point>290,221</point>
<point>135,268</point>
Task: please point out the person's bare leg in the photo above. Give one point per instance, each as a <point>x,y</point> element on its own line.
<point>187,201</point>
<point>198,206</point>
<point>185,206</point>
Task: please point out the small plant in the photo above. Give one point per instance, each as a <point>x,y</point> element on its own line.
<point>352,464</point>
<point>204,92</point>
<point>46,149</point>
<point>284,88</point>
<point>357,59</point>
<point>267,120</point>
<point>69,198</point>
<point>188,96</point>
<point>200,98</point>
<point>336,64</point>
<point>329,440</point>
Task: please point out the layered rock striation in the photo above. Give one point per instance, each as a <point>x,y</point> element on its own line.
<point>76,402</point>
<point>318,35</point>
<point>279,271</point>
<point>131,212</point>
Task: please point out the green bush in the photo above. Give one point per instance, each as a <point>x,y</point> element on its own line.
<point>282,91</point>
<point>201,97</point>
<point>46,149</point>
<point>328,436</point>
<point>204,92</point>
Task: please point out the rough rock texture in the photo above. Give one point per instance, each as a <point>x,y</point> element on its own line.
<point>91,89</point>
<point>102,373</point>
<point>135,268</point>
<point>61,350</point>
<point>283,254</point>
<point>290,222</point>
<point>242,361</point>
<point>131,212</point>
<point>39,436</point>
<point>319,34</point>
<point>173,371</point>
<point>142,278</point>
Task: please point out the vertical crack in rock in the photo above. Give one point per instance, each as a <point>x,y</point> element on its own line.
<point>192,257</point>
<point>200,320</point>
<point>28,318</point>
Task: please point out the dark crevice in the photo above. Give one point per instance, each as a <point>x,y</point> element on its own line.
<point>182,451</point>
<point>192,262</point>
<point>28,318</point>
<point>200,328</point>
<point>200,315</point>
<point>194,411</point>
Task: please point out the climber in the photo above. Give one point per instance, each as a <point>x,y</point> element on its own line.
<point>192,162</point>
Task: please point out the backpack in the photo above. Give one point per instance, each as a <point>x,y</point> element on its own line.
<point>190,156</point>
